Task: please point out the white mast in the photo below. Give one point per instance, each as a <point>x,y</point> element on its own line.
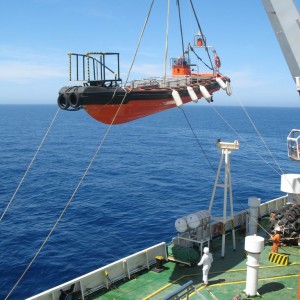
<point>226,148</point>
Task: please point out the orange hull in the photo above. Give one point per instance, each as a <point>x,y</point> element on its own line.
<point>117,105</point>
<point>132,110</point>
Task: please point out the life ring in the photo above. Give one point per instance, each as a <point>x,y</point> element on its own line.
<point>74,100</point>
<point>62,101</point>
<point>217,229</point>
<point>217,61</point>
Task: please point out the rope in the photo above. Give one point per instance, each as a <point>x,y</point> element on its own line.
<point>85,172</point>
<point>199,144</point>
<point>180,23</point>
<point>199,58</point>
<point>240,136</point>
<point>167,43</point>
<point>263,141</point>
<point>29,166</point>
<point>139,42</point>
<point>204,40</point>
<point>260,136</point>
<point>62,213</point>
<point>257,223</point>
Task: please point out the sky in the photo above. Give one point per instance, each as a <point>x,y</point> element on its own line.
<point>36,36</point>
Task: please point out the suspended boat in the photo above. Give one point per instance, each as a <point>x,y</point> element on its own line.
<point>107,100</point>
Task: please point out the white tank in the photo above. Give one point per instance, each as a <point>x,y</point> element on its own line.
<point>221,83</point>
<point>203,214</point>
<point>192,94</point>
<point>254,244</point>
<point>181,225</point>
<point>177,98</point>
<point>205,93</point>
<point>193,221</point>
<point>254,204</point>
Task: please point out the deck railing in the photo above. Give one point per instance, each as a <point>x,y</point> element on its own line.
<point>93,66</point>
<point>107,276</point>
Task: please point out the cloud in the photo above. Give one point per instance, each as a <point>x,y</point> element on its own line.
<point>25,65</point>
<point>148,70</point>
<point>23,71</point>
<point>245,79</point>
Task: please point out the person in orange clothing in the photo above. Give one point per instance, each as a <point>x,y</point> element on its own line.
<point>276,241</point>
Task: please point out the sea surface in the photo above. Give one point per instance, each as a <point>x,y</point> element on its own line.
<point>147,174</point>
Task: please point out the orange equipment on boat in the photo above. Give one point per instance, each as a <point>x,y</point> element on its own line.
<point>199,42</point>
<point>180,67</point>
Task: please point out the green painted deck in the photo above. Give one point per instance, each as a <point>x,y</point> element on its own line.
<point>227,277</point>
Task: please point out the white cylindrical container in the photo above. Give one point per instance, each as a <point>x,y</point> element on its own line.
<point>181,225</point>
<point>221,83</point>
<point>205,93</point>
<point>193,221</point>
<point>254,245</point>
<point>253,203</point>
<point>192,94</point>
<point>177,98</point>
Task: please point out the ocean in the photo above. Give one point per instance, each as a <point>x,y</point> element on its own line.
<point>147,174</point>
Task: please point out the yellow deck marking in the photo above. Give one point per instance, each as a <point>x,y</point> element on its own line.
<point>244,281</point>
<point>219,284</point>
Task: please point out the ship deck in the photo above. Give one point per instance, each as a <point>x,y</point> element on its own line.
<point>227,276</point>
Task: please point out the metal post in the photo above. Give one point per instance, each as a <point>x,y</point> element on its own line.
<point>231,207</point>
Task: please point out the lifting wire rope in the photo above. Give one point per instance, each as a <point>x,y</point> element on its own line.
<point>29,166</point>
<point>87,169</point>
<point>183,52</point>
<point>242,138</point>
<point>198,142</point>
<point>243,208</point>
<point>200,30</point>
<point>180,25</point>
<point>166,43</point>
<point>263,142</point>
<point>245,111</point>
<point>199,58</point>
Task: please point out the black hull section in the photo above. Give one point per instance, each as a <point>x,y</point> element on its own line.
<point>90,95</point>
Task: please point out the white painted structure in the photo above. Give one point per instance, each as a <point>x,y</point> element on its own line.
<point>290,184</point>
<point>253,203</point>
<point>226,148</point>
<point>254,245</point>
<point>107,275</point>
<point>285,20</point>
